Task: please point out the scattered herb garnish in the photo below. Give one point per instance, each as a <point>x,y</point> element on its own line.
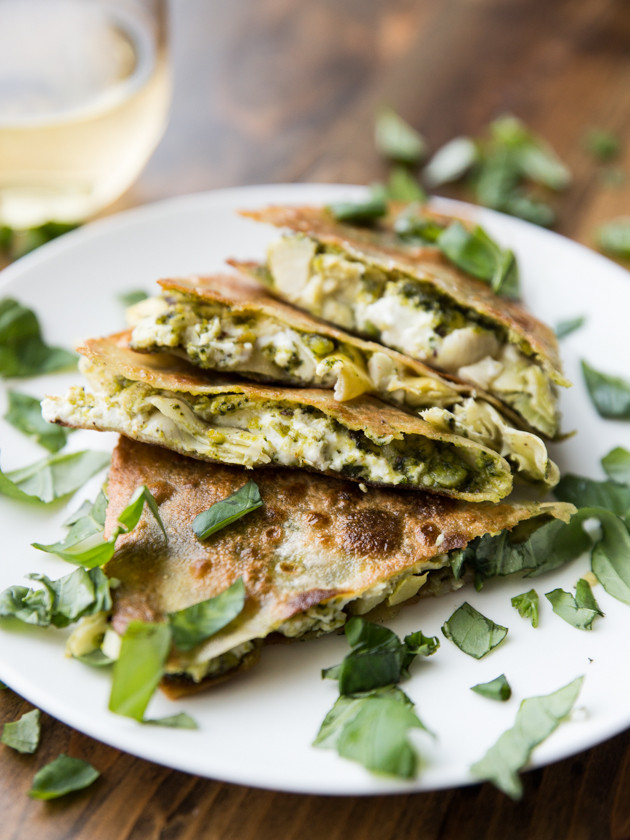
<point>565,328</point>
<point>416,227</point>
<point>63,775</point>
<point>616,465</point>
<point>586,492</point>
<point>578,611</point>
<point>497,689</point>
<point>178,721</point>
<point>396,140</point>
<point>476,253</point>
<point>536,719</point>
<point>610,394</point>
<point>23,351</point>
<point>402,186</point>
<point>52,477</point>
<point>472,632</point>
<point>16,243</point>
<point>614,237</point>
<point>451,162</point>
<point>602,144</point>
<point>361,212</point>
<point>527,605</point>
<point>228,510</point>
<point>25,414</point>
<point>194,624</point>
<point>139,667</point>
<point>132,297</point>
<point>23,734</point>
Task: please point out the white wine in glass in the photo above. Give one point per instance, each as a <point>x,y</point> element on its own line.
<point>84,97</point>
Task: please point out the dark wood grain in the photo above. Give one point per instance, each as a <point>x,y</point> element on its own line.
<point>278,90</point>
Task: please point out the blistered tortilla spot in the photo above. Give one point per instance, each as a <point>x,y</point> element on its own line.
<point>304,600</point>
<point>371,531</point>
<point>454,540</point>
<point>316,520</point>
<point>161,491</point>
<point>430,532</point>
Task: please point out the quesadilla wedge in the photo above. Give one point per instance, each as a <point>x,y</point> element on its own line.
<point>370,281</point>
<point>161,399</point>
<point>316,551</point>
<point>229,323</point>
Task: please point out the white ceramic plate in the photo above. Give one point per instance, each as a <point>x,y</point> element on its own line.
<point>257,729</point>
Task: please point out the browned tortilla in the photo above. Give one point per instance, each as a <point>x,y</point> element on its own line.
<point>380,246</point>
<point>313,540</point>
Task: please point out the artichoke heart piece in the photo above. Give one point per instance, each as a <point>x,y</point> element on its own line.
<point>155,398</point>
<point>230,324</point>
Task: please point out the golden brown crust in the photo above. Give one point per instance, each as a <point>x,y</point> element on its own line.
<point>380,246</point>
<point>312,541</point>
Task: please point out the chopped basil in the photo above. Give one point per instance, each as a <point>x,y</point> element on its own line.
<point>139,667</point>
<point>451,162</point>
<point>472,632</point>
<point>372,729</point>
<point>63,775</point>
<point>527,605</point>
<point>95,659</point>
<point>60,602</point>
<point>565,328</point>
<point>25,414</point>
<point>402,186</point>
<point>228,510</point>
<point>496,689</point>
<point>610,394</point>
<point>415,227</point>
<point>178,721</point>
<point>610,558</point>
<point>536,719</point>
<point>534,158</point>
<point>361,212</point>
<point>52,477</point>
<point>23,351</point>
<point>578,611</point>
<point>614,237</point>
<point>194,624</point>
<point>396,140</point>
<point>378,657</point>
<point>476,253</point>
<point>585,492</point>
<point>84,544</point>
<point>17,242</point>
<point>23,734</point>
<point>132,297</point>
<point>602,144</point>
<point>616,465</point>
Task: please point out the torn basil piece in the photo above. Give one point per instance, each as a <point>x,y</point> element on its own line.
<point>62,776</point>
<point>228,510</point>
<point>536,719</point>
<point>25,414</point>
<point>182,720</point>
<point>396,140</point>
<point>132,297</point>
<point>402,186</point>
<point>527,605</point>
<point>496,689</point>
<point>23,734</point>
<point>578,611</point>
<point>451,162</point>
<point>414,226</point>
<point>361,212</point>
<point>472,632</point>
<point>139,667</point>
<point>610,558</point>
<point>23,351</point>
<point>610,394</point>
<point>585,492</point>
<point>614,237</point>
<point>616,465</point>
<point>565,328</point>
<point>199,622</point>
<point>52,477</point>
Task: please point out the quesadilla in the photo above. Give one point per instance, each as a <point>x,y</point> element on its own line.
<point>231,324</point>
<point>370,281</point>
<point>161,399</point>
<point>316,551</point>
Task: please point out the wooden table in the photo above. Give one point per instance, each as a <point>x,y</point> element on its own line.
<point>278,90</point>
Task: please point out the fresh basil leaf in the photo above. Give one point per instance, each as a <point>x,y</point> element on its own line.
<point>179,721</point>
<point>95,659</point>
<point>194,624</point>
<point>228,510</point>
<point>414,226</point>
<point>130,516</point>
<point>23,351</point>
<point>402,186</point>
<point>616,465</point>
<point>527,605</point>
<point>52,477</point>
<point>396,140</point>
<point>451,162</point>
<point>63,775</point>
<point>472,632</point>
<point>536,719</point>
<point>530,209</point>
<point>578,611</point>
<point>610,558</point>
<point>25,414</point>
<point>535,159</point>
<point>23,734</point>
<point>372,729</point>
<point>31,606</point>
<point>361,212</point>
<point>614,237</point>
<point>603,145</point>
<point>585,492</point>
<point>610,394</point>
<point>139,667</point>
<point>18,242</point>
<point>496,689</point>
<point>132,297</point>
<point>565,328</point>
